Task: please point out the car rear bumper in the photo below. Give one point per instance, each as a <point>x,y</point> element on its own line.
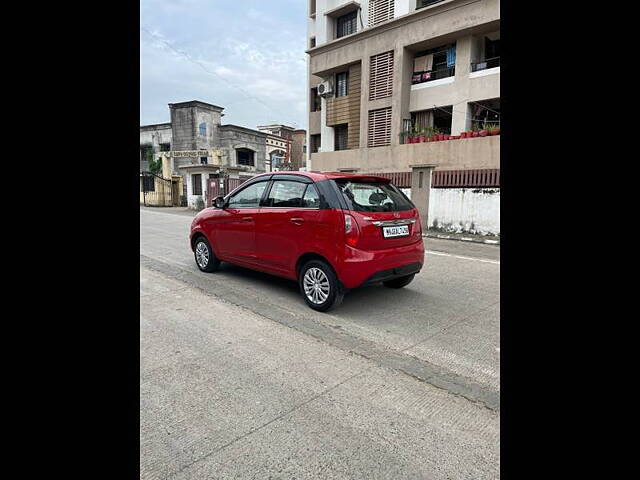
<point>393,273</point>
<point>365,267</point>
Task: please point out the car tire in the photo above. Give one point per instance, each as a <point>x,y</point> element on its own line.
<point>203,254</point>
<point>399,282</point>
<point>328,293</point>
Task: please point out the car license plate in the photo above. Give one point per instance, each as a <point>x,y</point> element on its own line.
<point>399,231</point>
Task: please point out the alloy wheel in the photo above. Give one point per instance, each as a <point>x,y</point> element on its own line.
<point>316,285</point>
<point>202,254</point>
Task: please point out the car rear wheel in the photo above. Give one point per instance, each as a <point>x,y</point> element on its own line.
<point>319,286</point>
<point>399,282</point>
<point>205,258</point>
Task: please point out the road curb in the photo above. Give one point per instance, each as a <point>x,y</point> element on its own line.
<point>461,239</point>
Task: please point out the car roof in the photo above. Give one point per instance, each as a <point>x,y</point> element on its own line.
<point>319,176</point>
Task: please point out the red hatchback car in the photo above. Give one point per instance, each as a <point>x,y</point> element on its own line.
<point>330,232</point>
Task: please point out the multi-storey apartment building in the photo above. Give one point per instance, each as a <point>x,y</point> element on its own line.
<point>379,69</point>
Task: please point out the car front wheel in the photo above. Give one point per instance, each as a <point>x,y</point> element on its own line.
<point>205,258</point>
<point>319,286</point>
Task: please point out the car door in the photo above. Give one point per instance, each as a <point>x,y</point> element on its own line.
<point>287,218</point>
<point>235,229</point>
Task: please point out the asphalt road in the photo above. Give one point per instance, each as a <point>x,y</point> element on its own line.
<point>240,379</point>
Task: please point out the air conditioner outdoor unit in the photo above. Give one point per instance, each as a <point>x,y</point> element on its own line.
<point>325,88</point>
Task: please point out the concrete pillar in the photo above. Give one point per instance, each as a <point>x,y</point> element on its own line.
<point>460,120</point>
<point>403,69</point>
<point>167,168</point>
<point>420,189</point>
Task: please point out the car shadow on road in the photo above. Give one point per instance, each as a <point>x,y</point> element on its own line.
<point>256,277</point>
<point>373,297</point>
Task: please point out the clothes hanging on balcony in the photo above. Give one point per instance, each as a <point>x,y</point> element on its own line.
<point>451,57</point>
<point>423,63</point>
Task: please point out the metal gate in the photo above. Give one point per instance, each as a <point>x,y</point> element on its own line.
<point>156,191</point>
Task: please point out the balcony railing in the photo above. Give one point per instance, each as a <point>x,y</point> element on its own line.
<point>483,65</point>
<point>432,75</point>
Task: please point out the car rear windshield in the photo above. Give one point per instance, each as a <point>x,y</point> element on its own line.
<point>373,196</point>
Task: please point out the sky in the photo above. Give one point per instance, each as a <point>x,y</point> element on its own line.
<point>244,55</point>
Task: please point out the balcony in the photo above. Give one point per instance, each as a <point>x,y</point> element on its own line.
<point>432,75</point>
<point>485,64</point>
<point>465,153</point>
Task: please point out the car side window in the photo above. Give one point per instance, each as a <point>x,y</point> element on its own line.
<point>248,197</point>
<point>285,193</point>
<point>311,198</point>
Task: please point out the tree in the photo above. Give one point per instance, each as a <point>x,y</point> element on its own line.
<point>155,166</point>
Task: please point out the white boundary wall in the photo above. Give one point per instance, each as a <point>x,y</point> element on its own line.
<point>470,210</point>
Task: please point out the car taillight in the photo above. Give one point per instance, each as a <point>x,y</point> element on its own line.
<point>351,230</point>
<point>417,228</point>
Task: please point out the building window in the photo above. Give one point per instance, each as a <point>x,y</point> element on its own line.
<point>204,160</point>
<point>381,76</point>
<point>315,143</point>
<point>202,128</point>
<point>312,42</point>
<point>196,184</point>
<point>346,24</point>
<point>341,133</point>
<point>312,7</point>
<point>342,80</point>
<point>316,102</point>
<point>245,157</point>
<point>380,11</point>
<point>165,147</point>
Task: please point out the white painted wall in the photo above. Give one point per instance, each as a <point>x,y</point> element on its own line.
<point>192,200</point>
<point>468,210</point>
<point>327,133</point>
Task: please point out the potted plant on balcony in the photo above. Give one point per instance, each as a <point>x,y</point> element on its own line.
<point>434,134</point>
<point>494,129</point>
<point>413,134</point>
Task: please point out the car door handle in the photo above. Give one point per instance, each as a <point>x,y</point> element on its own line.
<point>247,219</point>
<point>297,220</point>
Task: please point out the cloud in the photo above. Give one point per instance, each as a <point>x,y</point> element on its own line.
<point>245,56</point>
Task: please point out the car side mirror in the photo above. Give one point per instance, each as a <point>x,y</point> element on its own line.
<point>218,202</point>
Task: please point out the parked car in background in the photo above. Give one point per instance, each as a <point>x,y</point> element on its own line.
<point>330,232</point>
